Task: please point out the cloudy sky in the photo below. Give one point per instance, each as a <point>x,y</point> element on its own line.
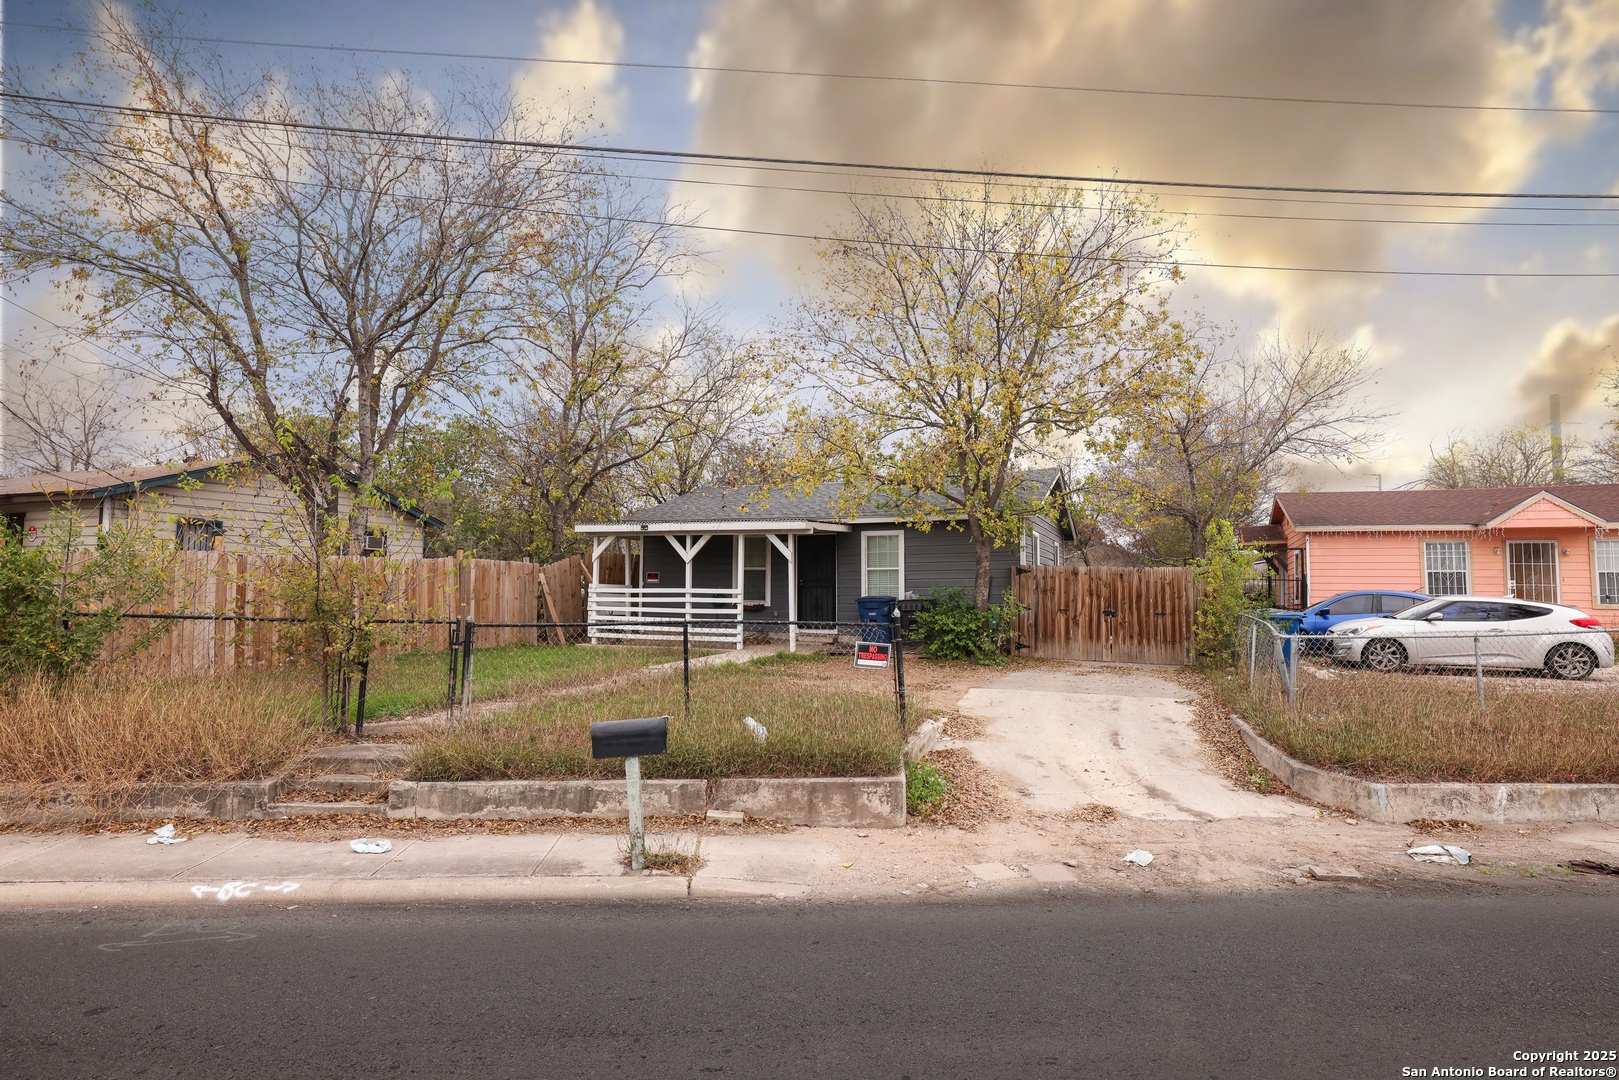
<point>1487,315</point>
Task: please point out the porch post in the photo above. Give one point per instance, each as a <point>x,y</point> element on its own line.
<point>596,549</point>
<point>792,592</point>
<point>624,546</point>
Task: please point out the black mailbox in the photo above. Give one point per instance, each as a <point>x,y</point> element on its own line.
<point>629,738</point>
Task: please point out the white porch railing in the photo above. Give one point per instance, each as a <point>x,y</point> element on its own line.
<point>626,612</point>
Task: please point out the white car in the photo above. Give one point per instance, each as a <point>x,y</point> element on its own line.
<point>1498,632</point>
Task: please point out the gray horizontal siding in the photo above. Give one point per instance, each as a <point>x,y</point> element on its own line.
<point>1050,539</point>
<point>939,558</point>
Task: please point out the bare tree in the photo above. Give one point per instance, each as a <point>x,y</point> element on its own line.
<point>1213,447</point>
<point>310,267</point>
<point>612,370</point>
<point>1515,457</point>
<point>68,425</point>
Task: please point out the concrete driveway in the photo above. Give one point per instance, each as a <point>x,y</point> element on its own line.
<point>1070,734</point>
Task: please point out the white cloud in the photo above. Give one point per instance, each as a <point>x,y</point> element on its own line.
<point>590,31</point>
<point>1571,361</point>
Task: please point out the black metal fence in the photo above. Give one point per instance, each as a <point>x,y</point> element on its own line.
<point>409,667</point>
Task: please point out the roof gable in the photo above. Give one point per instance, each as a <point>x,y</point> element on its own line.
<point>1547,511</point>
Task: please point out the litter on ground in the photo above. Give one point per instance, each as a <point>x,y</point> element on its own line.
<point>1139,857</point>
<point>759,732</point>
<point>1440,853</point>
<point>165,835</point>
<point>371,847</point>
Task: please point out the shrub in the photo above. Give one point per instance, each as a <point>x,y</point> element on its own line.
<point>925,789</point>
<point>63,601</point>
<point>1222,572</point>
<point>951,628</point>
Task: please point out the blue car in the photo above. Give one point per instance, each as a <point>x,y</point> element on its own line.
<point>1322,617</point>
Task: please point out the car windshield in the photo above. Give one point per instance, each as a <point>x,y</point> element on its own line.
<point>1422,610</point>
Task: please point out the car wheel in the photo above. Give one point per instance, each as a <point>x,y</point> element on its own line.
<point>1382,654</point>
<point>1570,660</point>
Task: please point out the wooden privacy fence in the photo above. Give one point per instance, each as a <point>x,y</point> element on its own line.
<point>244,588</point>
<point>1108,613</point>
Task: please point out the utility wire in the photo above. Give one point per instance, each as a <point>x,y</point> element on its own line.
<point>828,239</point>
<point>690,155</point>
<point>723,69</point>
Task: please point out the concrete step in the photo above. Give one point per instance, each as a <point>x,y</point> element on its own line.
<point>345,784</point>
<point>349,759</point>
<point>320,809</point>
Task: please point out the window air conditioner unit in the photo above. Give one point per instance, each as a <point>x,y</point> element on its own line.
<point>376,543</point>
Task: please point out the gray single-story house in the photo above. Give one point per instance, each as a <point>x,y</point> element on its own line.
<point>792,558</point>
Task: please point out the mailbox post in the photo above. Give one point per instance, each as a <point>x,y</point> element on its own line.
<point>629,739</point>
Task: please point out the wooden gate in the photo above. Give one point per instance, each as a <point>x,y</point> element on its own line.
<point>1107,613</point>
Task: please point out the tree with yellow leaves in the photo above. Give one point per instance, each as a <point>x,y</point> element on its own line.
<point>957,335</point>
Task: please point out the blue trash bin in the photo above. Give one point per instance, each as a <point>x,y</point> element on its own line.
<point>874,617</point>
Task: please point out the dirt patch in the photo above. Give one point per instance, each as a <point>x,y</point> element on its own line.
<point>1223,747</point>
<point>976,795</point>
<point>1440,826</point>
<point>322,828</point>
<point>1090,814</point>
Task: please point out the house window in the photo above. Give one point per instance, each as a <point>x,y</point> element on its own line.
<point>1445,563</point>
<point>882,564</point>
<point>1608,571</point>
<point>1030,555</point>
<point>16,528</point>
<point>756,570</point>
<point>198,534</point>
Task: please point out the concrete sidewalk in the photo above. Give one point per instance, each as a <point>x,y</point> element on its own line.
<point>1033,855</point>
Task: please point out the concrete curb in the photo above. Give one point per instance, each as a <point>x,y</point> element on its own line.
<point>1481,804</point>
<point>542,799</point>
<point>864,802</point>
<point>371,891</point>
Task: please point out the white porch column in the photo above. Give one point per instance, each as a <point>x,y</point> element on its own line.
<point>624,546</point>
<point>789,551</point>
<point>792,593</point>
<point>596,550</point>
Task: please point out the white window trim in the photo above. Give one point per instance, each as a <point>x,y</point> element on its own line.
<point>742,565</point>
<point>1597,571</point>
<point>865,537</point>
<point>1467,566</point>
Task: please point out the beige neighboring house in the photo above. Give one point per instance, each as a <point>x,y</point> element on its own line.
<point>225,506</point>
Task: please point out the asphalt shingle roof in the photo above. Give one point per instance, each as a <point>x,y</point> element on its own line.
<point>753,503</point>
<point>1459,506</point>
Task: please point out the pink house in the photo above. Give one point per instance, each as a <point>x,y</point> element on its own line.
<point>1556,544</point>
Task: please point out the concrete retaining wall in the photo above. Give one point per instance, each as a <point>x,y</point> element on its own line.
<point>242,799</point>
<point>876,802</point>
<point>1481,804</point>
<point>543,799</point>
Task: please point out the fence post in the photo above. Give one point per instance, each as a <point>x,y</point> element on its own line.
<point>632,796</point>
<point>467,636</point>
<point>1253,647</point>
<point>455,654</point>
<point>899,664</point>
<point>1478,673</point>
<point>359,702</point>
<point>685,662</point>
<point>1292,668</point>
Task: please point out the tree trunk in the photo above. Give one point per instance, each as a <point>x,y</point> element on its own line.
<point>983,548</point>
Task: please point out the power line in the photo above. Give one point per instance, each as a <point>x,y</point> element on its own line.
<point>723,69</point>
<point>750,159</point>
<point>819,238</point>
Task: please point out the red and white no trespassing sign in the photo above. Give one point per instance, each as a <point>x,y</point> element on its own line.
<point>871,653</point>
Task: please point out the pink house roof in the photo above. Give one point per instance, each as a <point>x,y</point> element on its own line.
<point>1444,508</point>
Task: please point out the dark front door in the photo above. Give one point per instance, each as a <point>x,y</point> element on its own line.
<point>817,579</point>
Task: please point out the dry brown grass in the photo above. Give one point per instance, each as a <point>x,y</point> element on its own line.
<point>101,734</point>
<point>1415,727</point>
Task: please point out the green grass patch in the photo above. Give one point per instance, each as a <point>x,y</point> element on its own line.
<point>1411,727</point>
<point>413,682</point>
<point>815,730</point>
<point>925,789</point>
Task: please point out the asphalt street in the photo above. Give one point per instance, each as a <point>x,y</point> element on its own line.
<point>1312,985</point>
